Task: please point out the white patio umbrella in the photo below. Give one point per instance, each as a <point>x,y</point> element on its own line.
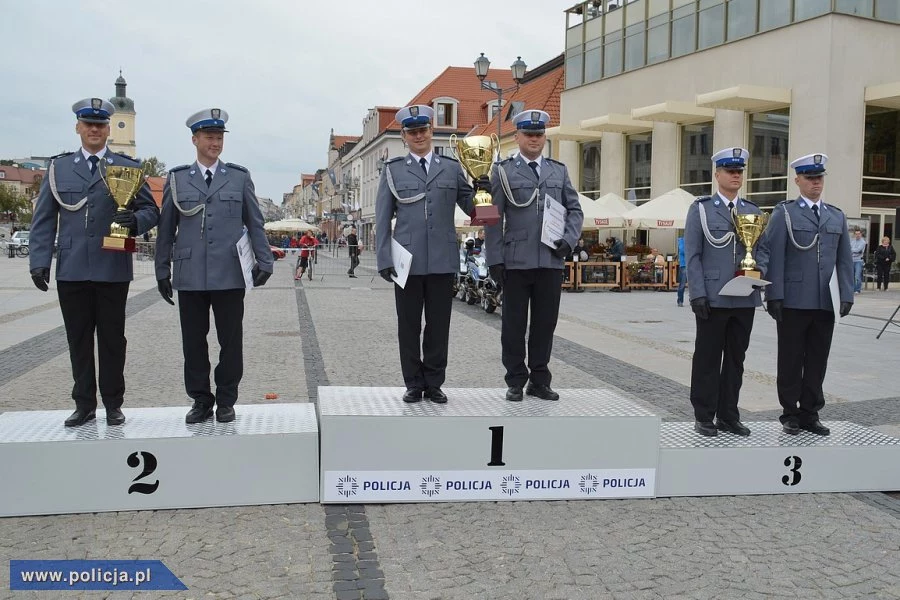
<point>606,212</point>
<point>291,225</point>
<point>667,211</point>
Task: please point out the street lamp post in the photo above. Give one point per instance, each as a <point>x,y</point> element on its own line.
<point>482,64</point>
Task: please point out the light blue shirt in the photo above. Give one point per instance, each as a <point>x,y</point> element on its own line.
<point>857,248</point>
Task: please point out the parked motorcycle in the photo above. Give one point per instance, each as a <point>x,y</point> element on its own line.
<point>476,273</point>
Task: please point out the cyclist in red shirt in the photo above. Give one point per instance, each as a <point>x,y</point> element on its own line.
<point>307,244</point>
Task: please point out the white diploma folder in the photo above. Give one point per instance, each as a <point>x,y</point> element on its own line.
<point>402,259</point>
<point>554,224</point>
<point>248,260</point>
<point>835,295</point>
<point>742,286</point>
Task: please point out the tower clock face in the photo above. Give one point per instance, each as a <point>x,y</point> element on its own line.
<point>121,124</point>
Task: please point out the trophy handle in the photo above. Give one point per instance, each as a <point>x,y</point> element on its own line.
<point>452,141</point>
<point>495,145</point>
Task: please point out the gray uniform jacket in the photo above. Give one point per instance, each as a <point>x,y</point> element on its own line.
<point>516,240</point>
<point>709,268</point>
<point>424,207</point>
<point>800,277</point>
<point>80,232</point>
<point>204,256</point>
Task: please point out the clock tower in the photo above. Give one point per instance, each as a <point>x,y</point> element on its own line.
<point>121,124</point>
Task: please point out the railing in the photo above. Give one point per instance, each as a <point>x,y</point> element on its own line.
<point>593,275</point>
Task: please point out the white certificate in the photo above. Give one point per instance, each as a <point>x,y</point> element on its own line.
<point>835,290</point>
<point>554,221</point>
<point>248,261</point>
<point>402,259</point>
<point>742,286</point>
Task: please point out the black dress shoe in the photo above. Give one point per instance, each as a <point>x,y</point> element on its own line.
<point>816,427</point>
<point>224,414</point>
<point>791,427</point>
<point>80,417</point>
<point>199,412</point>
<point>412,395</point>
<point>436,395</point>
<point>735,427</point>
<point>514,393</point>
<point>114,416</point>
<point>707,428</point>
<point>541,391</point>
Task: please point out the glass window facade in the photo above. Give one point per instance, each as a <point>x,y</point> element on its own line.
<point>711,19</point>
<point>881,158</point>
<point>767,174</point>
<point>590,170</point>
<point>658,39</point>
<point>773,13</point>
<point>696,151</point>
<point>862,8</point>
<point>811,8</point>
<point>684,31</point>
<point>639,149</point>
<point>593,68</point>
<point>634,47</point>
<point>612,53</point>
<point>887,10</point>
<point>742,18</point>
<point>573,68</point>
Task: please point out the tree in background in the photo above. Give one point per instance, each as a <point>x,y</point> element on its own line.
<point>13,205</point>
<point>153,167</point>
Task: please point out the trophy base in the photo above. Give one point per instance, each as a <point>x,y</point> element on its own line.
<point>485,215</point>
<point>118,244</point>
<point>748,273</point>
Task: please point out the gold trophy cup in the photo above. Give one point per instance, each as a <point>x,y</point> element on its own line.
<point>476,155</point>
<point>749,228</point>
<point>123,184</point>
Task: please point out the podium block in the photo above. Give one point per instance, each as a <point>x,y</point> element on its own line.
<point>852,459</point>
<point>268,455</point>
<point>478,446</point>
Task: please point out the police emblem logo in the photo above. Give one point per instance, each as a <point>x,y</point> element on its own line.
<point>817,159</point>
<point>215,113</point>
<point>414,111</point>
<point>535,116</point>
<point>736,152</point>
<point>96,103</point>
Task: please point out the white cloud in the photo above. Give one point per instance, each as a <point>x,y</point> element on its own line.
<point>286,72</point>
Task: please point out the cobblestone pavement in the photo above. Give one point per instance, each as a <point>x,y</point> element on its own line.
<point>341,331</point>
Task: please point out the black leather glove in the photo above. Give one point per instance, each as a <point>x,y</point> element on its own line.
<point>562,250</point>
<point>41,277</point>
<point>482,183</point>
<point>845,308</point>
<point>773,307</point>
<point>700,306</point>
<point>260,277</point>
<point>126,218</point>
<point>165,289</point>
<point>498,274</point>
<point>386,274</point>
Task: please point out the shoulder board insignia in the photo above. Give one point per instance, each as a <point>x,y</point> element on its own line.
<point>123,155</point>
<point>448,157</point>
<point>238,167</point>
<point>749,202</point>
<point>395,159</point>
<point>179,168</point>
<point>61,154</point>
<point>703,199</point>
<point>553,160</point>
<point>833,207</point>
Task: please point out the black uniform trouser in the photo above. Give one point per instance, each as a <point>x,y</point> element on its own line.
<point>717,369</point>
<point>228,310</point>
<point>882,274</point>
<point>804,342</point>
<point>540,289</point>
<point>89,306</point>
<point>423,356</point>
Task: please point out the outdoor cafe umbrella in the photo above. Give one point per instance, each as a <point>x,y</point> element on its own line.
<point>667,211</point>
<point>290,225</point>
<point>606,212</point>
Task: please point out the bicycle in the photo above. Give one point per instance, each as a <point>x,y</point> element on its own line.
<point>20,251</point>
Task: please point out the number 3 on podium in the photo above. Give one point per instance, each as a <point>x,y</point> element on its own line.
<point>794,463</point>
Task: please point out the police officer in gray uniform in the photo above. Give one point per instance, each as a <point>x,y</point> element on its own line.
<point>713,253</point>
<point>92,283</point>
<point>530,271</point>
<point>421,190</point>
<point>806,242</point>
<point>206,207</point>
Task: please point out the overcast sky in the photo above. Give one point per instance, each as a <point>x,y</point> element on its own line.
<point>286,72</point>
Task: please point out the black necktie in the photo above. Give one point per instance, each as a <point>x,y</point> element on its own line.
<point>208,177</point>
<point>94,160</point>
<point>731,206</point>
<point>815,208</point>
<point>424,164</point>
<point>533,165</point>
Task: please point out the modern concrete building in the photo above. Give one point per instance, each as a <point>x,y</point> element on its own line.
<point>654,87</point>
